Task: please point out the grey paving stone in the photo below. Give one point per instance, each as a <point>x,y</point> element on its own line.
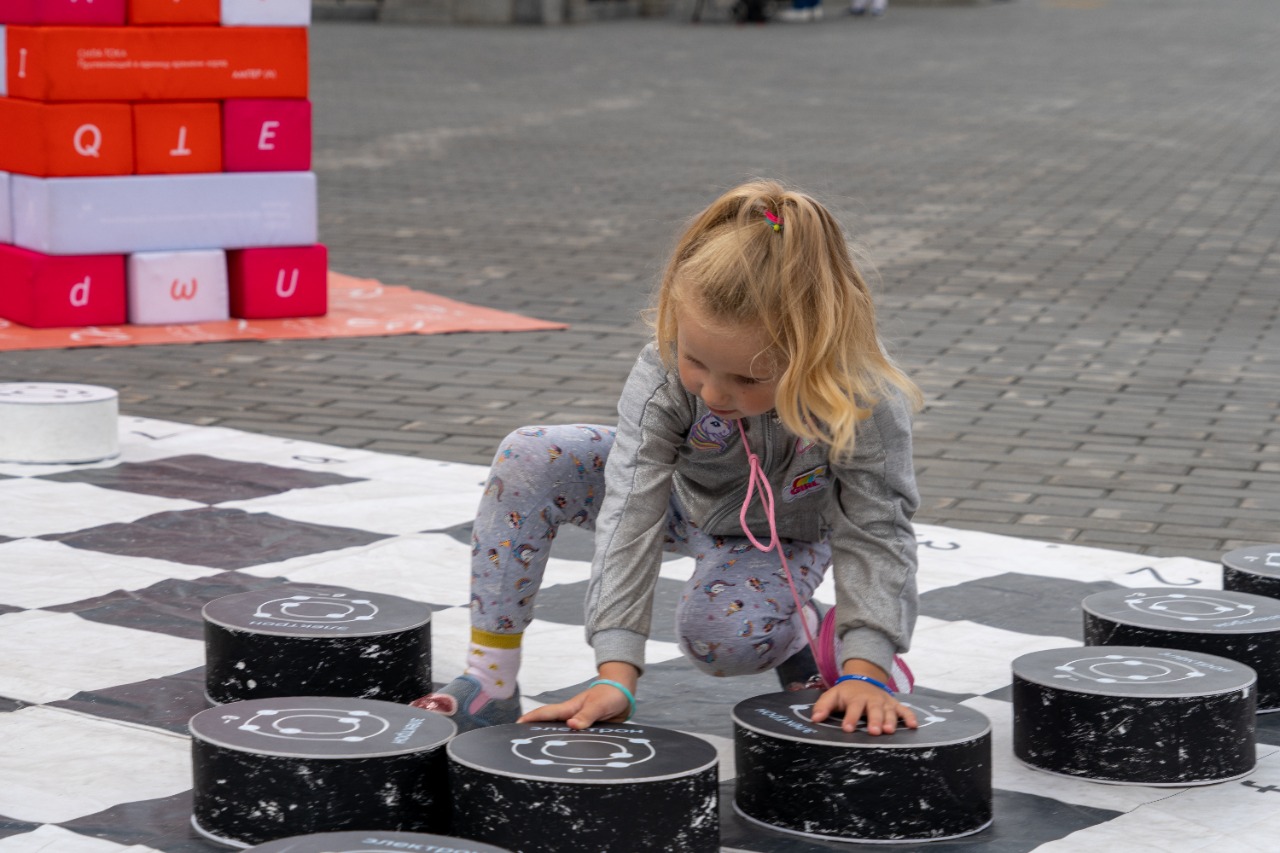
<point>1071,207</point>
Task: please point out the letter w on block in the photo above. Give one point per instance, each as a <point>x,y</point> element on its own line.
<point>178,287</point>
<point>180,290</point>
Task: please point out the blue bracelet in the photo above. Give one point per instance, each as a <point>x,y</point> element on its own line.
<point>631,700</point>
<point>867,679</point>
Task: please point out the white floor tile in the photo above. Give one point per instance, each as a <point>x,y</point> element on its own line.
<point>50,656</point>
<point>57,765</point>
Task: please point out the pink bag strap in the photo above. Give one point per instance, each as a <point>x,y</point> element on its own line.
<point>825,651</point>
<point>756,478</point>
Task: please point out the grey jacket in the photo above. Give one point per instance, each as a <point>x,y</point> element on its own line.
<point>668,440</point>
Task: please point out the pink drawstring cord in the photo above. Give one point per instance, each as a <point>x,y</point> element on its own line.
<point>756,477</point>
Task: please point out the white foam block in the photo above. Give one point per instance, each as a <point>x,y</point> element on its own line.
<point>173,288</point>
<point>52,422</point>
<point>266,13</point>
<point>6,203</point>
<point>150,213</point>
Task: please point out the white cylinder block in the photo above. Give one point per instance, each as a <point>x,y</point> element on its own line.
<point>58,423</point>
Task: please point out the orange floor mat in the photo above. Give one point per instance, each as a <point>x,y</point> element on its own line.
<point>357,308</point>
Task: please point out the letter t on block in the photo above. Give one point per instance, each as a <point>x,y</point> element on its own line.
<point>175,137</point>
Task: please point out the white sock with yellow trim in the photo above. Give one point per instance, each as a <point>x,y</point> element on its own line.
<point>494,661</point>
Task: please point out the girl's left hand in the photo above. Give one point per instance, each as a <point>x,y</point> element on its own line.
<point>858,699</point>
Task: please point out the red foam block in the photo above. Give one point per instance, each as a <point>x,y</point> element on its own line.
<point>46,291</point>
<point>266,135</point>
<point>274,282</point>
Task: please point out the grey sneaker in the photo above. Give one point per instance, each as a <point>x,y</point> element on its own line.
<point>799,672</point>
<point>463,701</point>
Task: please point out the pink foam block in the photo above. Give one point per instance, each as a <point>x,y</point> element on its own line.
<point>174,288</point>
<point>290,281</point>
<point>63,12</point>
<point>266,135</point>
<point>45,291</point>
<point>20,12</point>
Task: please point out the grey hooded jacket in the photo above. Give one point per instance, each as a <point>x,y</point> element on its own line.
<point>668,440</point>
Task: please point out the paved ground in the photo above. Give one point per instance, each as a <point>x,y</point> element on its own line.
<point>1072,206</point>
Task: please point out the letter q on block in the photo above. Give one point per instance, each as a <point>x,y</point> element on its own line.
<point>266,135</point>
<point>64,140</point>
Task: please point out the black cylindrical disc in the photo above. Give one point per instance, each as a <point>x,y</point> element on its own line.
<point>270,768</point>
<point>621,787</point>
<point>374,842</point>
<point>815,779</point>
<point>1254,569</point>
<point>1135,715</point>
<point>298,641</point>
<point>1236,625</point>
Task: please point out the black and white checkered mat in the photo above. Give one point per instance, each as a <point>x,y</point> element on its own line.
<point>104,569</point>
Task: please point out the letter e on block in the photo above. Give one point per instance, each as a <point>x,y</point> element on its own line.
<point>171,288</point>
<point>271,283</point>
<point>266,135</point>
<point>177,138</point>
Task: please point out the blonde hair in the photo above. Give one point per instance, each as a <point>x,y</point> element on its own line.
<point>799,284</point>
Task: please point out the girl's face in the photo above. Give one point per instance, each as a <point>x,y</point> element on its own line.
<point>723,365</point>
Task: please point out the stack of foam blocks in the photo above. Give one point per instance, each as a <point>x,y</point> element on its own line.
<point>155,162</point>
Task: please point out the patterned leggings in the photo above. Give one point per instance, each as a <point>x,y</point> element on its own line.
<point>737,615</point>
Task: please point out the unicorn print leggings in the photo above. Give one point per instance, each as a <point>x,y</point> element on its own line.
<point>737,615</point>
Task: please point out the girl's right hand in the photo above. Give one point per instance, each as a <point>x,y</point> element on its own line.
<point>600,703</point>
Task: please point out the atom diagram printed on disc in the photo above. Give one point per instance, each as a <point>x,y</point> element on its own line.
<point>1188,607</point>
<point>317,608</point>
<point>332,724</point>
<point>588,752</point>
<point>1127,669</point>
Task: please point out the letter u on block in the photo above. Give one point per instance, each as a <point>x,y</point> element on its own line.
<point>285,292</point>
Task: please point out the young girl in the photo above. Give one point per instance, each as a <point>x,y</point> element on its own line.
<point>765,415</point>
